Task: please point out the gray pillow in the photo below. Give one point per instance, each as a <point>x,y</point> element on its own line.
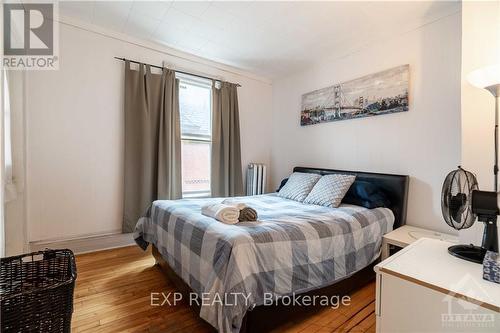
<point>330,190</point>
<point>298,186</point>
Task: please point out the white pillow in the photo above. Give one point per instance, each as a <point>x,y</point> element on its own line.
<point>330,190</point>
<point>298,186</point>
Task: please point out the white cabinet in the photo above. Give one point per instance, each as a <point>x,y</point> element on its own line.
<point>424,289</point>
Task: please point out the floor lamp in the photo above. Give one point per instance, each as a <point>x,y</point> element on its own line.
<point>489,78</point>
<point>486,204</point>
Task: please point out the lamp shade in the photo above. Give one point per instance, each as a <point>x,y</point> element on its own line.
<point>487,78</point>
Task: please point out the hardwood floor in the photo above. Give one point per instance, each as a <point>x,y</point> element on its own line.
<point>113,294</point>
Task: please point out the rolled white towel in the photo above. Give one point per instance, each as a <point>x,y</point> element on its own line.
<point>224,213</point>
<point>239,205</point>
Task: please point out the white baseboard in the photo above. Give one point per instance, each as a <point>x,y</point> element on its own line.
<point>86,244</point>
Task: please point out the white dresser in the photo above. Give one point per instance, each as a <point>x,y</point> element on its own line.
<point>422,288</point>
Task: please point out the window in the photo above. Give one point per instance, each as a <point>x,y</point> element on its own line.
<point>195,106</point>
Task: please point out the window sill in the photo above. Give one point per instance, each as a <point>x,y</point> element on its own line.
<point>196,195</point>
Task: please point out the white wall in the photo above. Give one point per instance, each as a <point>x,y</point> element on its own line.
<point>423,143</point>
<point>480,47</point>
<point>75,131</point>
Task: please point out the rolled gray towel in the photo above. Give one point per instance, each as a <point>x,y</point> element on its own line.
<point>247,214</point>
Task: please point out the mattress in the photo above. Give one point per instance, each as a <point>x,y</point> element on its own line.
<point>292,248</point>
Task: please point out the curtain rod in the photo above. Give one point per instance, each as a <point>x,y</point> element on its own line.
<point>180,72</point>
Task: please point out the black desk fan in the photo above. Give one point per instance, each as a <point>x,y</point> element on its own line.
<point>461,201</point>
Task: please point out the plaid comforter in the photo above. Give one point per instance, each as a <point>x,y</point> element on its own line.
<point>293,248</point>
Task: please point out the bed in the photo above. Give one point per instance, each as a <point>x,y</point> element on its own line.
<point>294,248</point>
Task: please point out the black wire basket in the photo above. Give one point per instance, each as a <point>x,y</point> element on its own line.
<point>36,291</point>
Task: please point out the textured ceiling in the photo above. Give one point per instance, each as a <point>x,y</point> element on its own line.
<point>266,38</point>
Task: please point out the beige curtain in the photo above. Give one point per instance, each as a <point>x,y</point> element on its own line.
<point>152,141</point>
<point>226,174</point>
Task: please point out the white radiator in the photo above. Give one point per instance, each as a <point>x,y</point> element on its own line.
<point>256,178</point>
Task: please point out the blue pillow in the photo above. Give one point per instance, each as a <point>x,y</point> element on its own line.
<point>367,195</point>
<point>283,182</point>
<point>370,204</point>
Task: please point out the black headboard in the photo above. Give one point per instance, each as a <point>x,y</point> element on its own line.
<point>394,186</point>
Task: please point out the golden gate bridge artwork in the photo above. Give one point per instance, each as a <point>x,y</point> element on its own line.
<point>376,94</point>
